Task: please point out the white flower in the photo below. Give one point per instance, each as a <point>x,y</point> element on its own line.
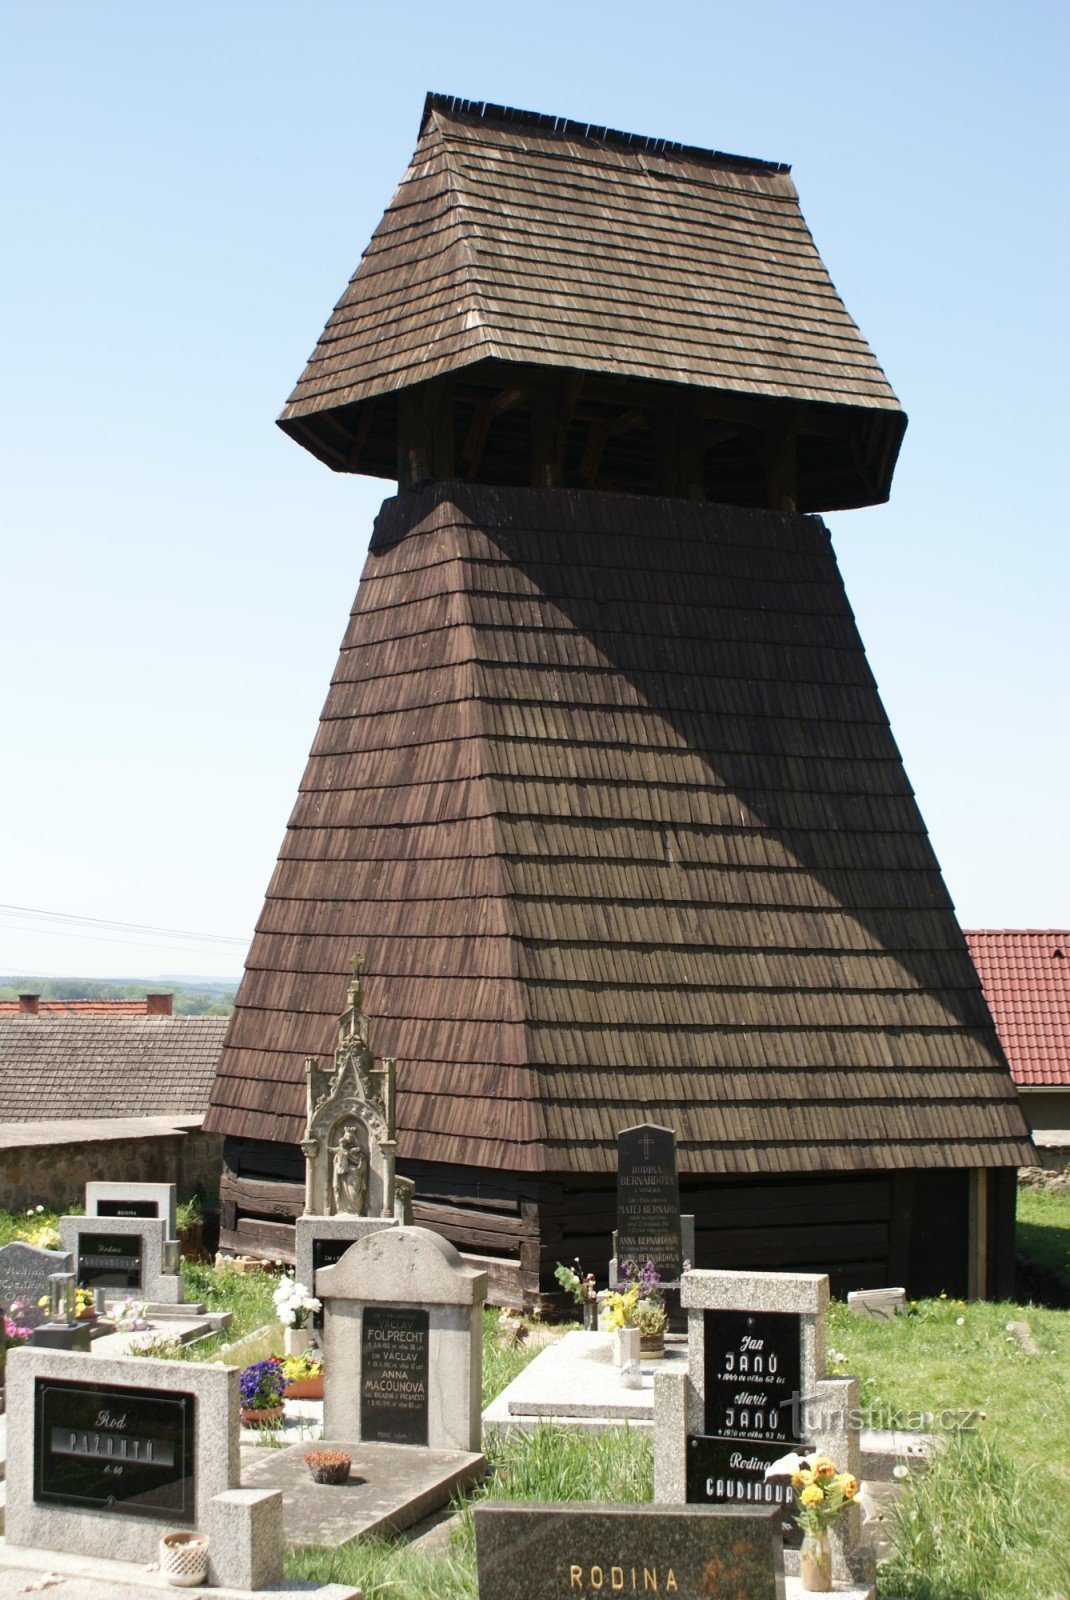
<point>960,1322</point>
<point>286,1316</point>
<point>900,1471</point>
<point>40,1209</point>
<point>785,1465</point>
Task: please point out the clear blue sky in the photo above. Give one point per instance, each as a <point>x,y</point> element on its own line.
<point>187,189</point>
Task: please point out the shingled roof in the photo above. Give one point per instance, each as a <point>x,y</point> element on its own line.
<point>541,243</point>
<point>92,1066</point>
<point>1025,973</point>
<point>604,792</point>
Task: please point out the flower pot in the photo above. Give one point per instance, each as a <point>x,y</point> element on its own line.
<point>296,1341</point>
<point>328,1466</point>
<point>652,1345</point>
<point>626,1343</point>
<point>815,1563</point>
<point>184,1558</point>
<point>306,1388</point>
<point>88,1315</point>
<point>262,1416</point>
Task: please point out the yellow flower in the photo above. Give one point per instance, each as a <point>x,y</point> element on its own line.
<point>848,1485</point>
<point>811,1495</point>
<point>824,1468</point>
<point>801,1478</point>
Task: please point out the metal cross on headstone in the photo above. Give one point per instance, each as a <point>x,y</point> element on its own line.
<point>644,1145</point>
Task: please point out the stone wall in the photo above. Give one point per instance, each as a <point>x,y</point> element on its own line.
<point>55,1175</point>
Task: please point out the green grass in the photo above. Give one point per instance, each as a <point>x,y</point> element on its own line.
<point>1043,1231</point>
<point>990,1521</point>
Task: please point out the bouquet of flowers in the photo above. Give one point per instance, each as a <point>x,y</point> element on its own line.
<point>263,1385</point>
<point>298,1369</point>
<point>574,1283</point>
<point>644,1298</point>
<point>293,1303</point>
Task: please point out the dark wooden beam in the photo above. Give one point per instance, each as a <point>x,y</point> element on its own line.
<point>360,435</point>
<point>782,456</point>
<point>484,414</point>
<point>553,400</point>
<point>425,433</point>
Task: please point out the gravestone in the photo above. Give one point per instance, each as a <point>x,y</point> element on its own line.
<point>134,1200</point>
<point>24,1273</point>
<point>107,1453</point>
<point>754,1390</point>
<point>648,1200</point>
<point>558,1552</point>
<point>402,1339</point>
<point>130,1255</point>
<point>321,1241</point>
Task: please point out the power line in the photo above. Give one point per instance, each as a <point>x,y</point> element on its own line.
<point>124,927</point>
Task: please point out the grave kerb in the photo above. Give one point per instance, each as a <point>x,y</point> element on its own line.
<point>164,1194</point>
<point>408,1269</point>
<point>156,1284</point>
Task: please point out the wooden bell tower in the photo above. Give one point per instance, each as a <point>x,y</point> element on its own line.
<point>603,789</point>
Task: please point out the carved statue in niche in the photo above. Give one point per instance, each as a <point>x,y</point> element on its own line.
<point>349,1181</point>
<point>350,1144</point>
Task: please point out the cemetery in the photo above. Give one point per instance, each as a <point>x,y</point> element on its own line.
<point>620,1165</point>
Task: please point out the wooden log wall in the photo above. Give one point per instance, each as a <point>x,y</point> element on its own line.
<point>865,1231</point>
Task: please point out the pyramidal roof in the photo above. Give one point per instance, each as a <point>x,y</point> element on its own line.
<point>536,242</point>
<point>604,793</point>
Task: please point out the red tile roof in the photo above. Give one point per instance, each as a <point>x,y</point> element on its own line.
<point>81,1008</point>
<point>1025,973</point>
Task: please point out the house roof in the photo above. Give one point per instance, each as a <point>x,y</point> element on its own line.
<point>1025,973</point>
<point>604,793</point>
<point>541,243</point>
<point>93,1066</point>
<point>79,1008</point>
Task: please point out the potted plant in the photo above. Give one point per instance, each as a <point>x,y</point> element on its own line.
<point>642,1307</point>
<point>328,1466</point>
<point>263,1386</point>
<point>294,1306</point>
<point>304,1376</point>
<point>184,1558</point>
<point>821,1494</point>
<point>84,1305</point>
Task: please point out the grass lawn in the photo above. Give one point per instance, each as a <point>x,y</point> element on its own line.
<point>990,1521</point>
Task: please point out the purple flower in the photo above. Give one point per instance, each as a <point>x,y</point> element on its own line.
<point>263,1385</point>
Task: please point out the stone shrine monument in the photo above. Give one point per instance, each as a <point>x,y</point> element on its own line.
<point>350,1141</point>
<point>351,1188</point>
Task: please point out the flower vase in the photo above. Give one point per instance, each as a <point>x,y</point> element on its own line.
<point>590,1316</point>
<point>625,1346</point>
<point>184,1559</point>
<point>652,1345</point>
<point>815,1563</point>
<point>296,1341</point>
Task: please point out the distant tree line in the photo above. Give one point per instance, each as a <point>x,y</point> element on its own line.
<point>203,999</point>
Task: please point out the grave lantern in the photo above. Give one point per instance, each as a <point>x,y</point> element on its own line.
<point>603,790</point>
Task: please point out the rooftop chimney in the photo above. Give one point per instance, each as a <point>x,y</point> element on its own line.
<point>29,1005</point>
<point>158,1005</point>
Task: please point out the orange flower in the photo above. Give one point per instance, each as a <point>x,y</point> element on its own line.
<point>849,1486</point>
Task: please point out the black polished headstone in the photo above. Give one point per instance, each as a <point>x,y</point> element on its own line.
<point>109,1260</point>
<point>648,1200</point>
<point>393,1375</point>
<point>111,1448</point>
<point>127,1208</point>
<point>732,1472</point>
<point>325,1252</point>
<point>752,1368</point>
<point>559,1552</point>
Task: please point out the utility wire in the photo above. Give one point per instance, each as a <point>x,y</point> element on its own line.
<point>104,923</point>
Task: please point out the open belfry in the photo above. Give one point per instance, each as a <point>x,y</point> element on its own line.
<point>603,792</point>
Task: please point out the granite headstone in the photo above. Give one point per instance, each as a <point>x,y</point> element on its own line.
<point>24,1273</point>
<point>394,1374</point>
<point>648,1199</point>
<point>558,1552</point>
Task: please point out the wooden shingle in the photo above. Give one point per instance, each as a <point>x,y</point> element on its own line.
<point>616,825</point>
